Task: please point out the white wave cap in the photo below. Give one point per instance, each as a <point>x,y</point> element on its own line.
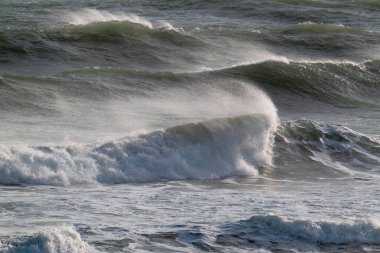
<point>55,240</point>
<point>87,16</point>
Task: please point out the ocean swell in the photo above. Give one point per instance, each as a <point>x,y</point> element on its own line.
<point>339,83</point>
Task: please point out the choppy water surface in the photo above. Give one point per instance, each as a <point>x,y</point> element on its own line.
<point>189,126</point>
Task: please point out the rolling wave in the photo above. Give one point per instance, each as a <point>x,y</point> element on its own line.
<point>130,41</point>
<point>341,83</point>
<point>96,37</point>
<point>337,83</point>
<point>269,232</point>
<point>213,149</point>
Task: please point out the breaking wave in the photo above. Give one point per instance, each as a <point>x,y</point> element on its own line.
<point>214,149</point>
<point>55,240</point>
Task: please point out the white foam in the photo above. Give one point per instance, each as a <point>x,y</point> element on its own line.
<point>48,165</point>
<point>87,16</point>
<point>55,240</point>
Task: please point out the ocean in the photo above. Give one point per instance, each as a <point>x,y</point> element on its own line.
<point>189,126</point>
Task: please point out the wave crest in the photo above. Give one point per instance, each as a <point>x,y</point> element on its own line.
<point>87,16</point>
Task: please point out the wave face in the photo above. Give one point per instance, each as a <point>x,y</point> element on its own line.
<point>326,149</point>
<point>56,240</point>
<point>269,231</point>
<point>214,149</point>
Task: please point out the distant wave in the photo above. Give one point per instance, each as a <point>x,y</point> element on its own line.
<point>105,35</point>
<point>333,82</point>
<point>135,37</point>
<point>324,37</point>
<point>87,16</point>
<point>270,231</point>
<point>321,28</point>
<point>55,240</point>
<point>213,149</point>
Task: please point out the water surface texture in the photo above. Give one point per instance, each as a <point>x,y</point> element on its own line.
<point>189,126</point>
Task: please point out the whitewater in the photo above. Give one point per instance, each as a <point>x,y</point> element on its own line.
<point>189,126</point>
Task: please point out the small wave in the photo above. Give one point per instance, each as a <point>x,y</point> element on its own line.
<point>321,28</point>
<point>368,3</point>
<point>270,232</point>
<point>55,240</point>
<point>333,39</point>
<point>87,16</point>
<point>213,149</point>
